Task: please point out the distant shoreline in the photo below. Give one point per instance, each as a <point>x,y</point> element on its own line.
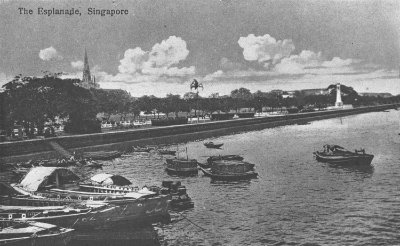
<point>123,140</point>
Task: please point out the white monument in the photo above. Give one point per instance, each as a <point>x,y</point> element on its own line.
<point>339,103</point>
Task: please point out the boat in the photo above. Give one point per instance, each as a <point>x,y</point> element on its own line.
<point>231,159</point>
<point>130,203</point>
<point>335,154</point>
<point>179,198</point>
<point>101,155</point>
<point>228,176</point>
<point>230,170</point>
<point>181,166</point>
<point>76,216</point>
<point>166,152</point>
<point>20,233</point>
<point>212,145</point>
<point>211,159</point>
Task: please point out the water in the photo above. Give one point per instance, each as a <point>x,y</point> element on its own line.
<point>296,200</point>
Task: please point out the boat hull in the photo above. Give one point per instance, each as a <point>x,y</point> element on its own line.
<point>230,177</point>
<point>213,146</point>
<point>211,159</point>
<point>362,159</point>
<point>132,211</point>
<point>182,171</point>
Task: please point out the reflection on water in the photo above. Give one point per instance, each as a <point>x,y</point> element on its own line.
<point>124,235</point>
<point>364,171</point>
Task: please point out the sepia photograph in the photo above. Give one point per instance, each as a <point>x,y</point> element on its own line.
<point>213,122</point>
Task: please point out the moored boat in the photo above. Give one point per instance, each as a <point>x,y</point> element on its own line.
<point>229,176</point>
<point>230,170</point>
<point>224,157</point>
<point>20,233</point>
<point>335,154</point>
<point>72,215</point>
<point>212,145</point>
<point>185,167</point>
<point>130,203</point>
<point>101,155</point>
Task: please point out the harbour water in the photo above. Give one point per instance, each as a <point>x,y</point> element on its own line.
<point>295,200</point>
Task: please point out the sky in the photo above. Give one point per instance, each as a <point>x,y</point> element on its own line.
<point>160,46</point>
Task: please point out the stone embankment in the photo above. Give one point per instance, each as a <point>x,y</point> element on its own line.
<point>124,140</point>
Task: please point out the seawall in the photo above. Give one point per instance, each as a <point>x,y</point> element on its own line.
<point>123,140</point>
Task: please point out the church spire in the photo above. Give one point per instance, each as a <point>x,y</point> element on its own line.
<point>86,70</point>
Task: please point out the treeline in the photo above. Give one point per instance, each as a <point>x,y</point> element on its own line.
<point>33,102</point>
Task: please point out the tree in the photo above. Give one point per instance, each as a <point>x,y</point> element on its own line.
<point>34,101</point>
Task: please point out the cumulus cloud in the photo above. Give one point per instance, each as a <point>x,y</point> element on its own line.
<point>160,61</point>
<point>77,64</point>
<point>50,53</point>
<point>276,56</point>
<point>265,49</point>
<point>4,79</point>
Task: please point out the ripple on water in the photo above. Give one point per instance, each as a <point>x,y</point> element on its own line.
<point>295,200</point>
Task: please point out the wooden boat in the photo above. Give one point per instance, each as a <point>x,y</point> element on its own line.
<point>186,167</point>
<point>101,155</point>
<point>166,152</point>
<point>246,165</point>
<point>131,203</point>
<point>212,145</point>
<point>336,154</point>
<point>229,176</point>
<point>75,216</point>
<point>224,157</point>
<point>22,233</point>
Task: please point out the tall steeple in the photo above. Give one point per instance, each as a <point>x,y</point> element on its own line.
<point>86,70</point>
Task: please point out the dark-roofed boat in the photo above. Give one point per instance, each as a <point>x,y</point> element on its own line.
<point>101,155</point>
<point>130,203</point>
<point>22,233</point>
<point>184,167</point>
<point>335,154</point>
<point>212,145</point>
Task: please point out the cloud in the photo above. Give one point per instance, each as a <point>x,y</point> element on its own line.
<point>338,62</point>
<point>49,54</point>
<point>277,56</point>
<point>77,64</point>
<point>4,79</point>
<point>159,62</point>
<point>265,49</point>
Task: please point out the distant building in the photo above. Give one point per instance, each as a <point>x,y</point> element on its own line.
<point>88,81</point>
<point>288,94</point>
<point>320,91</point>
<point>371,94</point>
